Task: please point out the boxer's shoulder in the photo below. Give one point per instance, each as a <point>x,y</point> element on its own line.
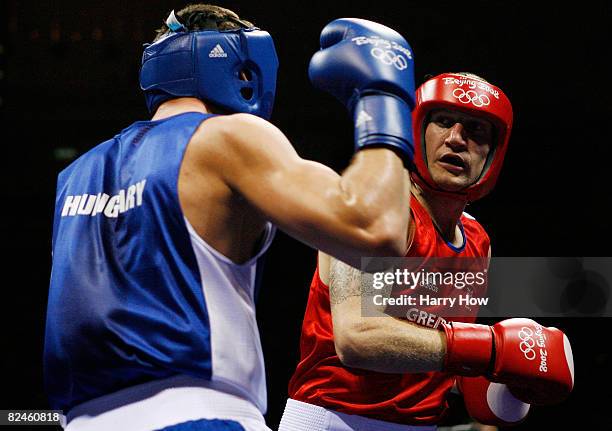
<point>468,216</point>
<point>233,129</point>
<point>470,222</point>
<point>241,149</point>
<point>475,232</point>
<point>233,138</point>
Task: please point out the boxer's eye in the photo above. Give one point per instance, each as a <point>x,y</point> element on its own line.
<point>477,128</point>
<point>474,126</point>
<point>444,121</point>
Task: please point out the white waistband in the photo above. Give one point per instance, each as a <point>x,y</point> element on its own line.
<point>162,403</point>
<point>300,416</point>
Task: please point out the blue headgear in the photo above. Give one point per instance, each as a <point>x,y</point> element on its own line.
<point>211,65</point>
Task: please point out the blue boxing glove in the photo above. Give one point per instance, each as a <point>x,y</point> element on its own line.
<point>369,68</point>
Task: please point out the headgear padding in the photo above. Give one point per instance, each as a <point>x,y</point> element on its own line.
<point>475,97</point>
<point>208,65</point>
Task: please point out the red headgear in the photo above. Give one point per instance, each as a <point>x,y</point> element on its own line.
<point>474,96</point>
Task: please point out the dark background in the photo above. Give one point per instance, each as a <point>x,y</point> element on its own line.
<point>69,80</point>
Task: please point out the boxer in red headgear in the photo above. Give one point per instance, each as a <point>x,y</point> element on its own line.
<point>383,373</point>
<point>488,110</point>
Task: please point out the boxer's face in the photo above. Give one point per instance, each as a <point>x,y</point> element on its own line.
<point>457,145</point>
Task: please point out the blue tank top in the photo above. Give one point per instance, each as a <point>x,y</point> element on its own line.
<point>130,277</point>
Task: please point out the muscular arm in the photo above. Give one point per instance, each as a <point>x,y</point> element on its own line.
<point>361,212</point>
<point>381,343</point>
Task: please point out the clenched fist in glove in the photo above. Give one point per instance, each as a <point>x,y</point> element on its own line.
<point>535,362</point>
<point>369,68</point>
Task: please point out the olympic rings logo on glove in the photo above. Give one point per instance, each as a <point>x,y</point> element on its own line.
<point>472,97</point>
<point>527,343</point>
<point>388,57</point>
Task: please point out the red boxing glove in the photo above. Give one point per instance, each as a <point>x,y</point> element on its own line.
<point>534,361</point>
<point>491,403</point>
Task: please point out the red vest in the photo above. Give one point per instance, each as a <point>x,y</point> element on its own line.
<point>320,377</point>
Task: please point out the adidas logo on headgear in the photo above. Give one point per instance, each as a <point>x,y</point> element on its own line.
<point>217,52</point>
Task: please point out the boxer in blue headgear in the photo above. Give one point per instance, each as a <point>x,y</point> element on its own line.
<point>159,231</point>
<point>234,69</point>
